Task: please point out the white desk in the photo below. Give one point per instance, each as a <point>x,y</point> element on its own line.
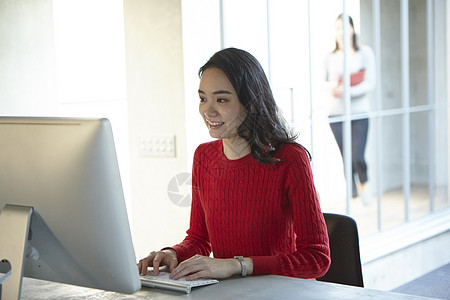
<point>252,287</point>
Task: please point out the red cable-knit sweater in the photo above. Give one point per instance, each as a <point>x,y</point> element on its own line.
<point>270,213</point>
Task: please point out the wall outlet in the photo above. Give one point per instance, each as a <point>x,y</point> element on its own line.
<point>157,146</point>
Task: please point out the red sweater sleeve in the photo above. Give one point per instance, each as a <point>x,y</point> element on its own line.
<point>311,258</point>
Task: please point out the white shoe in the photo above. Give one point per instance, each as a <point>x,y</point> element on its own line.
<point>366,195</point>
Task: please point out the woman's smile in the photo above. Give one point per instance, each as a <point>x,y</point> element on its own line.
<point>214,124</point>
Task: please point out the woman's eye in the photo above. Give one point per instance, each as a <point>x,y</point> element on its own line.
<point>202,99</point>
<point>221,100</point>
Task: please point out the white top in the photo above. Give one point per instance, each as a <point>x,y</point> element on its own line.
<point>361,59</point>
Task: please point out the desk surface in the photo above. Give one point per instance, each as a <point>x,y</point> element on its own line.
<point>252,287</point>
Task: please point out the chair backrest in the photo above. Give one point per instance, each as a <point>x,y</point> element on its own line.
<point>344,246</point>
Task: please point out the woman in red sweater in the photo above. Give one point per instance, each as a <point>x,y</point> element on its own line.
<point>254,204</point>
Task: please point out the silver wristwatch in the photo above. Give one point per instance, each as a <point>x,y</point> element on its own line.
<point>243,265</point>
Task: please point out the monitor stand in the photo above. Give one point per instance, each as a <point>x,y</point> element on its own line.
<point>14,228</point>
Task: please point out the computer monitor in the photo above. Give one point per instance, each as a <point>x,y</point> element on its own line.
<point>66,171</point>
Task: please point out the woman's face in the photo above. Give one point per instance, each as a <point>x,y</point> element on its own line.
<point>339,26</point>
<point>219,105</point>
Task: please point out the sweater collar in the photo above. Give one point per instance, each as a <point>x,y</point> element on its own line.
<point>229,162</point>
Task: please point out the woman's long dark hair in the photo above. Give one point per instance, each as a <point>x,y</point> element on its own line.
<point>355,45</point>
<point>264,129</point>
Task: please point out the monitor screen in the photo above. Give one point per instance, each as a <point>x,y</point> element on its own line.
<point>66,170</point>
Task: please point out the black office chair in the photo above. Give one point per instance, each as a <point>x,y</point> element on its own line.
<point>344,246</point>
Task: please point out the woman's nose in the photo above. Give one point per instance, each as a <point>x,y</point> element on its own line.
<point>209,110</point>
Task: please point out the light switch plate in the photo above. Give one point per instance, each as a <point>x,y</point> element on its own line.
<point>157,145</point>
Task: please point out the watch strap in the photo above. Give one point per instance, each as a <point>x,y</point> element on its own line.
<point>243,265</point>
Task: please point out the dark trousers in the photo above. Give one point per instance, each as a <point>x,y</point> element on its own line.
<point>359,139</point>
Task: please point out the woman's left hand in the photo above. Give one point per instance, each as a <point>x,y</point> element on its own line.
<point>200,266</point>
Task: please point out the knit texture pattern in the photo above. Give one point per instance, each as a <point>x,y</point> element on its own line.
<point>270,213</point>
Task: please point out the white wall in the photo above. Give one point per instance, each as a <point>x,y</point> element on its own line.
<point>201,39</point>
<point>27,58</point>
<point>396,269</point>
<point>53,66</point>
<point>154,67</point>
<point>57,60</point>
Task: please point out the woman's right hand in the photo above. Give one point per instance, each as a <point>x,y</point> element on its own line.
<point>155,259</point>
<point>337,91</point>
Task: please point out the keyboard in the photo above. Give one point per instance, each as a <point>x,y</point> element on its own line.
<point>163,281</point>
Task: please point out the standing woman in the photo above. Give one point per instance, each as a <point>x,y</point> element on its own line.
<point>361,66</point>
<point>254,204</point>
